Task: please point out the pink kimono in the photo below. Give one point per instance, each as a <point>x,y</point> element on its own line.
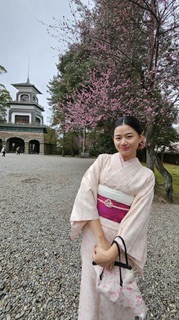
<point>132,179</point>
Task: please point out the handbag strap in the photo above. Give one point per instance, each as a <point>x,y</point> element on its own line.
<point>120,273</point>
<point>123,265</point>
<point>119,252</point>
<point>119,263</point>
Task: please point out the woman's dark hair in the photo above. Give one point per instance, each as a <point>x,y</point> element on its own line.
<point>130,121</point>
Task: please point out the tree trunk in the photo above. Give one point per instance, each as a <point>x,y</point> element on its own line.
<point>63,151</point>
<point>149,159</point>
<point>168,179</point>
<point>162,155</point>
<point>150,147</point>
<point>153,160</point>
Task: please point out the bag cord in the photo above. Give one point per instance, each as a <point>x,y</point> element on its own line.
<point>119,263</point>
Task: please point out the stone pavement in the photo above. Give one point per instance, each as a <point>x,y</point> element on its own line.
<point>40,266</point>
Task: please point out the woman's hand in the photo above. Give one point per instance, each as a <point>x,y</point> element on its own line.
<point>100,256</point>
<point>103,244</point>
<point>105,258</point>
<point>102,247</point>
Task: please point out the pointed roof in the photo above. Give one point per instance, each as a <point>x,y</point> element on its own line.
<point>26,85</point>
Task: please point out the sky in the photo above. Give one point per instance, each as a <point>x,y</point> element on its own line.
<point>26,47</point>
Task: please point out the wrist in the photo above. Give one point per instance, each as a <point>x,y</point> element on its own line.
<point>100,237</point>
<point>112,253</point>
<point>97,230</point>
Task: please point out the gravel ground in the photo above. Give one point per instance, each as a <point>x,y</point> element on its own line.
<point>40,266</point>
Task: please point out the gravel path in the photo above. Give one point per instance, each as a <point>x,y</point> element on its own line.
<point>40,266</point>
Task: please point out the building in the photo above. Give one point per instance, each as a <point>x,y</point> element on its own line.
<point>24,127</point>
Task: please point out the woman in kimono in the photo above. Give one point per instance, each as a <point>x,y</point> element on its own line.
<point>114,198</point>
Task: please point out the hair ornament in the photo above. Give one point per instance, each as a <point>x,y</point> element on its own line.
<point>142,143</point>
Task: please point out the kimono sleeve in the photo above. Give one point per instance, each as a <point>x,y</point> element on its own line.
<point>85,208</point>
<point>133,228</point>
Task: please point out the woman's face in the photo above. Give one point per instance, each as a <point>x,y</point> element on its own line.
<point>126,141</point>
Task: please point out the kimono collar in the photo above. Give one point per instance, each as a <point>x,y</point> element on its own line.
<point>133,161</point>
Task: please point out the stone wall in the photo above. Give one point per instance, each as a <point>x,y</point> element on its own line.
<point>25,136</point>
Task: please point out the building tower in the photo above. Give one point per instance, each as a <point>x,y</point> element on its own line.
<point>24,126</point>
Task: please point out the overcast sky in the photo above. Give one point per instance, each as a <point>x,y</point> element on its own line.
<point>24,41</point>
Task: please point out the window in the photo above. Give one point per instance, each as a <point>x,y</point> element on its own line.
<point>38,120</point>
<point>24,97</point>
<point>21,119</point>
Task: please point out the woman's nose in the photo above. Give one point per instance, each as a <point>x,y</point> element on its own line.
<point>123,141</point>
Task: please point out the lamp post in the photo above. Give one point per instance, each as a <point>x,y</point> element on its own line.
<point>84,140</point>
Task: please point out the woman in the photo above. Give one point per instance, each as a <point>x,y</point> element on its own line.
<point>111,183</point>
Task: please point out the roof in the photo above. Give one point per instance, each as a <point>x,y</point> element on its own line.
<point>15,102</point>
<point>22,127</point>
<point>26,85</point>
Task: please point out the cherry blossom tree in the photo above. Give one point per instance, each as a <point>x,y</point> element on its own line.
<point>134,48</point>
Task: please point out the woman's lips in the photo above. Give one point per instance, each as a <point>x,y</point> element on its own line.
<point>125,149</point>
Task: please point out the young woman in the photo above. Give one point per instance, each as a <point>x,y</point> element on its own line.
<point>114,198</point>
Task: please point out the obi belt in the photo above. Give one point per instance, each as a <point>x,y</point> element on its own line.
<point>113,204</point>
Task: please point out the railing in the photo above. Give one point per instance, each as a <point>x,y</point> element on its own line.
<point>30,125</point>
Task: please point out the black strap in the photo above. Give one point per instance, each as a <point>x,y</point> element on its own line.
<point>119,263</point>
<point>126,265</point>
<point>119,252</point>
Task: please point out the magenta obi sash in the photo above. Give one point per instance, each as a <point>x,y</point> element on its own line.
<point>113,204</point>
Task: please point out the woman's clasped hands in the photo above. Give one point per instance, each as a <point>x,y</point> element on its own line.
<point>104,254</point>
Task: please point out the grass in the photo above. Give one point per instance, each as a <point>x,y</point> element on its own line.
<point>160,182</point>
